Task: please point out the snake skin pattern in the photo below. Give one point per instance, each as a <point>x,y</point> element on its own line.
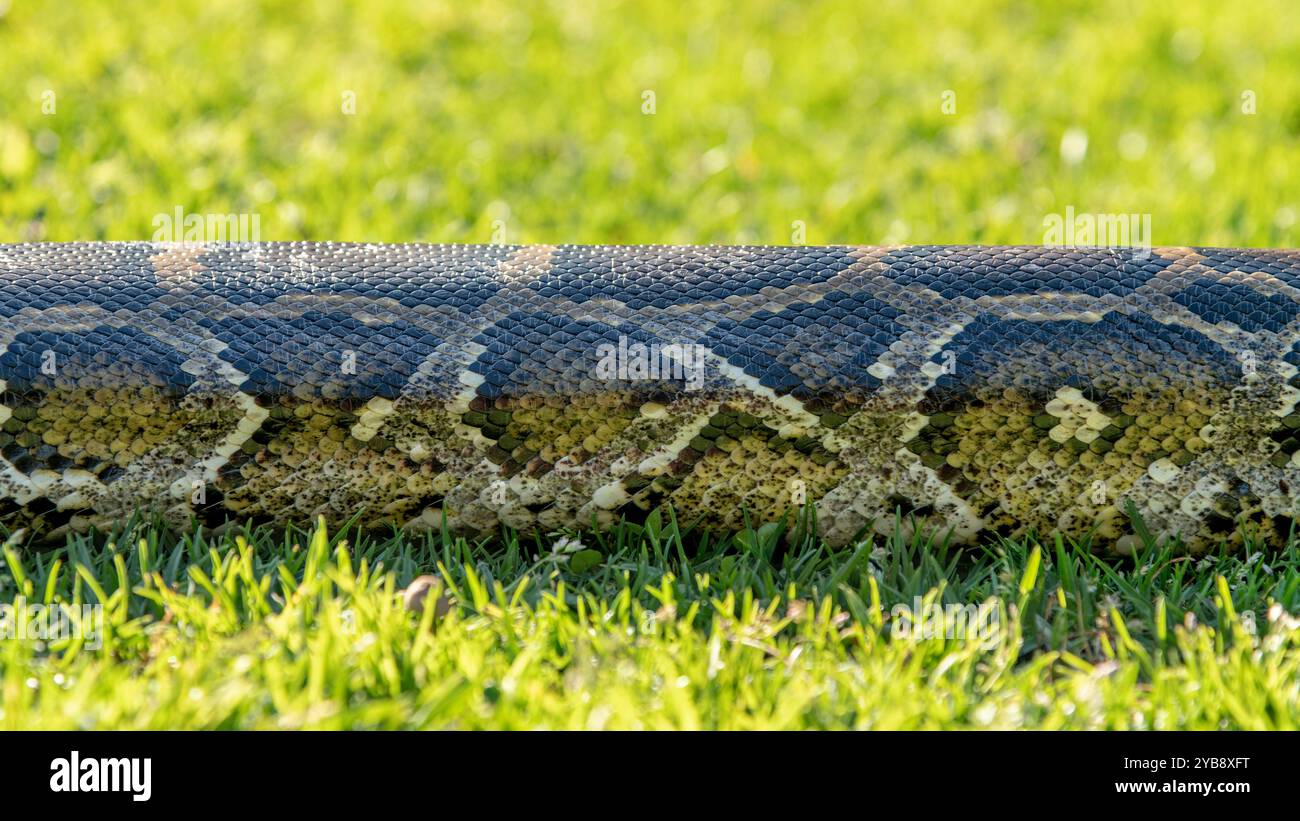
<point>985,389</point>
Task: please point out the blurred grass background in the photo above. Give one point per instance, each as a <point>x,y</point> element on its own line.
<point>768,112</point>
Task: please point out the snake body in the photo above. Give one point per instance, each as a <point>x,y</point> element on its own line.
<point>976,389</point>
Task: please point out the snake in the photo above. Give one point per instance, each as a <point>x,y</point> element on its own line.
<point>962,392</point>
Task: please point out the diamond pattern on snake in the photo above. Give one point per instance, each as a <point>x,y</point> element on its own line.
<point>978,390</point>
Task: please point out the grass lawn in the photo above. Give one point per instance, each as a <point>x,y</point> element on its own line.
<point>601,121</point>
<point>649,628</point>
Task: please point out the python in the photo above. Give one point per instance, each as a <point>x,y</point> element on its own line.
<point>976,391</point>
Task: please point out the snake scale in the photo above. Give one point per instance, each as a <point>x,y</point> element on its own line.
<point>986,390</point>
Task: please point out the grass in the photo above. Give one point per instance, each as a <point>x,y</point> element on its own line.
<point>657,629</point>
<point>532,122</point>
<point>531,115</point>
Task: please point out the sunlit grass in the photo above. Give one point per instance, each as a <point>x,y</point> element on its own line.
<point>657,629</point>
<point>768,113</point>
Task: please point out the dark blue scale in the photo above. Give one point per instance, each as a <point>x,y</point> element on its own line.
<point>1285,265</point>
<point>763,345</point>
<point>987,346</point>
<point>660,277</point>
<point>1237,303</point>
<point>464,281</point>
<point>127,354</point>
<point>550,355</point>
<point>955,272</point>
<point>278,354</point>
<point>1293,357</point>
<point>37,278</point>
